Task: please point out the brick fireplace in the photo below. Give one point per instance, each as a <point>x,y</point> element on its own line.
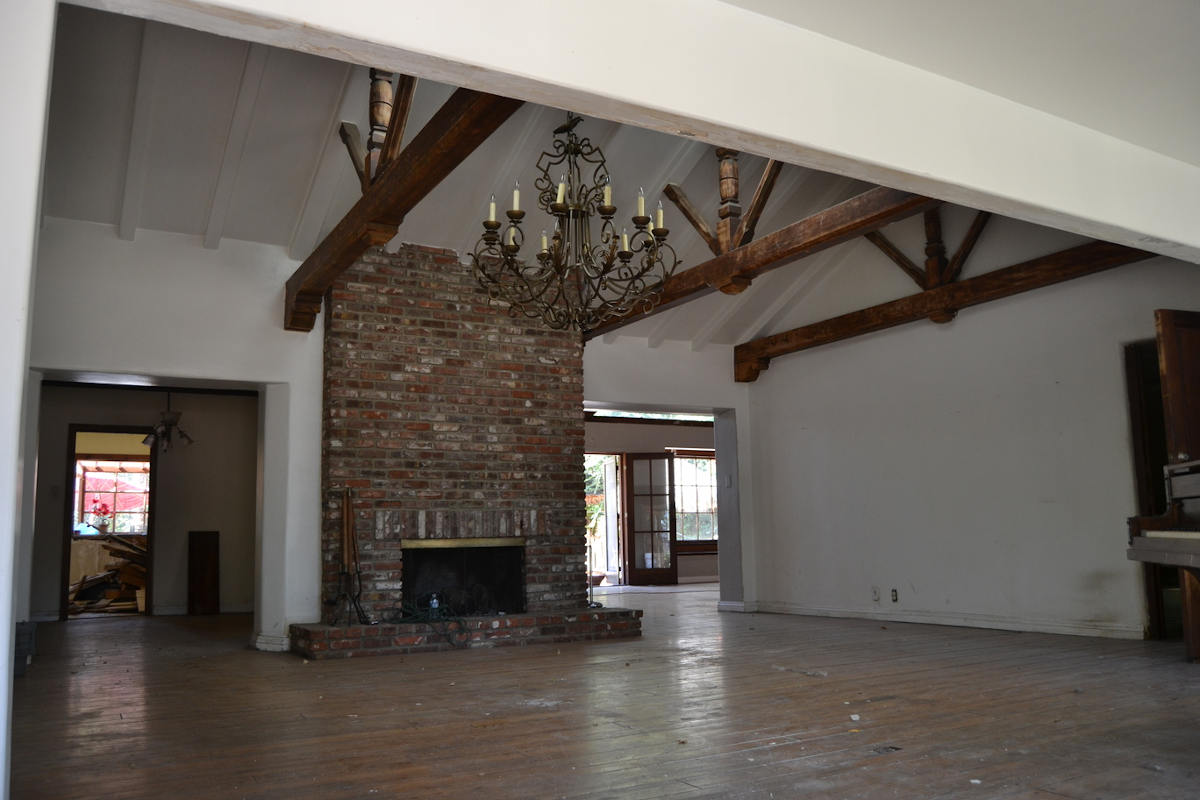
<point>455,426</point>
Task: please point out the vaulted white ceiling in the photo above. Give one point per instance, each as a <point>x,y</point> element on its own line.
<point>166,128</point>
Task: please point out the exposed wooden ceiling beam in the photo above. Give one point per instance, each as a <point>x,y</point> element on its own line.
<point>954,268</point>
<point>745,229</point>
<point>733,271</point>
<point>753,357</point>
<point>676,195</point>
<point>459,126</point>
<point>348,132</point>
<point>902,261</point>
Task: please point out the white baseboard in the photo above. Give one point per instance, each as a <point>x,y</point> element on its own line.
<point>963,619</point>
<point>272,644</point>
<point>740,606</point>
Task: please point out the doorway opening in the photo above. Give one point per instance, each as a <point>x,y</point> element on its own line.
<point>109,516</point>
<point>651,490</point>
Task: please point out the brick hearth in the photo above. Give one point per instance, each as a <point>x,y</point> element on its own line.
<point>345,641</point>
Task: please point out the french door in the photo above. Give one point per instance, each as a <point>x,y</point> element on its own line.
<point>649,511</point>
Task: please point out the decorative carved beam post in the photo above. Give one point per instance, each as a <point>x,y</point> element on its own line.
<point>855,217</point>
<point>935,259</point>
<point>752,358</point>
<point>459,126</point>
<point>380,117</point>
<point>729,213</point>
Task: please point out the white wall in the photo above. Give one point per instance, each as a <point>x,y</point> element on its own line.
<point>982,468</point>
<point>164,306</point>
<point>26,36</point>
<point>640,437</point>
<point>627,373</point>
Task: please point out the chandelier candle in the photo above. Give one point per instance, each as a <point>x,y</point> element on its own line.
<point>581,276</point>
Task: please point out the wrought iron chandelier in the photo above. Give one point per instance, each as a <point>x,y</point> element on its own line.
<point>574,280</point>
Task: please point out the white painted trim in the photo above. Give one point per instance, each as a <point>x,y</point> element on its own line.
<point>139,133</point>
<point>962,619</point>
<point>739,606</point>
<point>326,174</point>
<point>272,644</point>
<point>235,143</point>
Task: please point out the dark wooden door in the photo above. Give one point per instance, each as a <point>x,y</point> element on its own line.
<point>1179,366</point>
<point>650,519</point>
<point>204,572</point>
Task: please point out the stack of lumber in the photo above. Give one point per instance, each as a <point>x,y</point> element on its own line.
<point>120,587</point>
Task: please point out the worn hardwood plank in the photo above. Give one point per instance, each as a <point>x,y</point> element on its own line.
<point>703,705</point>
<point>753,357</point>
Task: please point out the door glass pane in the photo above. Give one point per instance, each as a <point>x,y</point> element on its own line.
<point>643,558</point>
<point>641,476</point>
<point>662,549</point>
<point>642,520</point>
<point>661,512</point>
<point>658,468</point>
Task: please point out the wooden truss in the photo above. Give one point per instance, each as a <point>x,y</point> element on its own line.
<point>394,180</point>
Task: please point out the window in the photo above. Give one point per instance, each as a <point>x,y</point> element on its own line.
<point>111,496</point>
<point>695,497</point>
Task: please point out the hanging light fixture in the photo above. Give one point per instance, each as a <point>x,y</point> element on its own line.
<point>577,278</point>
<point>168,424</point>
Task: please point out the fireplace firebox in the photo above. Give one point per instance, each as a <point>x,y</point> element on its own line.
<point>469,580</point>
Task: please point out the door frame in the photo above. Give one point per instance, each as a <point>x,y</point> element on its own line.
<point>69,506</point>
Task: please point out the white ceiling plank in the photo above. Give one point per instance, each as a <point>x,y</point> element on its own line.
<point>717,321</point>
<point>468,208</point>
<point>815,272</point>
<point>235,142</point>
<point>329,168</point>
<point>658,334</point>
<point>139,132</point>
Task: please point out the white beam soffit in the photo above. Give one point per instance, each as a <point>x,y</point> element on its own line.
<point>981,150</point>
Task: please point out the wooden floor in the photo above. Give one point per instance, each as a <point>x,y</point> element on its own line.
<point>704,705</point>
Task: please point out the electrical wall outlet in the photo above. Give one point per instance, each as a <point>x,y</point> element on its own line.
<point>895,596</point>
<point>875,594</point>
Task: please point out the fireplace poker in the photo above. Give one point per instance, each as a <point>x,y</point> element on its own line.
<point>350,576</point>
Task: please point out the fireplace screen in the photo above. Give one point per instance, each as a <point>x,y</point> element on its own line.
<point>468,581</point>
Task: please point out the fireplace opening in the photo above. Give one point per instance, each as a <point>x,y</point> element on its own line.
<point>468,581</point>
